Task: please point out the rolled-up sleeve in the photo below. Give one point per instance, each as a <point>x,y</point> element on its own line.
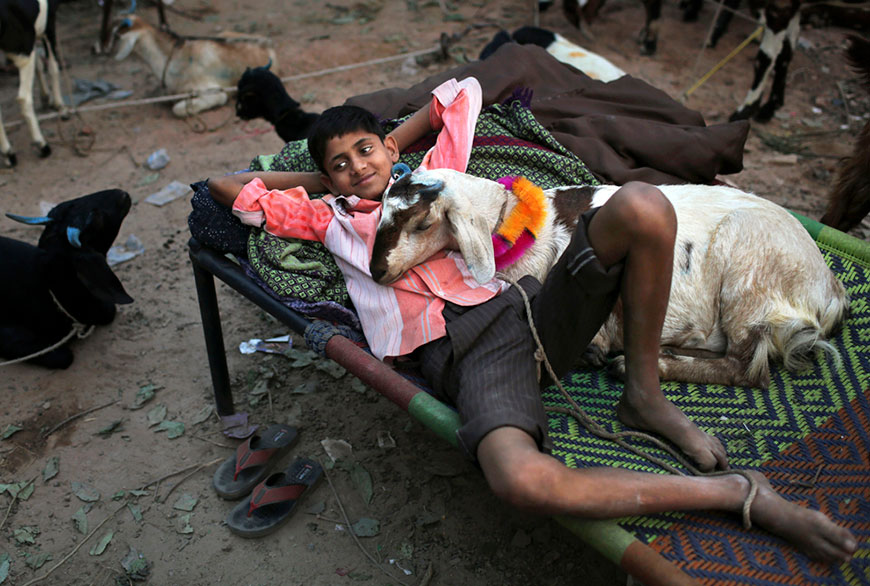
<point>285,213</point>
<point>454,111</point>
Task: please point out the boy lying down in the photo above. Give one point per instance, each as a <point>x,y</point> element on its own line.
<point>474,343</point>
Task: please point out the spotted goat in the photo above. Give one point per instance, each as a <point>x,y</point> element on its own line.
<point>749,284</point>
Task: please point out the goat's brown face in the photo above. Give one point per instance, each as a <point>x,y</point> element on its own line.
<point>411,228</point>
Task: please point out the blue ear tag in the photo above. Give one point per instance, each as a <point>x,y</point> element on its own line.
<point>73,236</point>
<point>400,170</point>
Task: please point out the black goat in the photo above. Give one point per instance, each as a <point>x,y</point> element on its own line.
<point>64,278</point>
<point>849,200</point>
<point>23,23</point>
<point>261,94</point>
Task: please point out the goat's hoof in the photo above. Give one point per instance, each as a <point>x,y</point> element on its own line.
<point>64,114</point>
<point>594,355</point>
<point>648,47</point>
<point>11,159</point>
<point>44,151</point>
<point>616,367</point>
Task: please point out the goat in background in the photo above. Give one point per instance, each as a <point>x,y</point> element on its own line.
<point>23,24</point>
<point>261,94</point>
<point>749,283</point>
<point>849,200</point>
<point>193,64</point>
<point>64,280</point>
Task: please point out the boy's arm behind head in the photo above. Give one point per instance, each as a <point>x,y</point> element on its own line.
<point>226,189</point>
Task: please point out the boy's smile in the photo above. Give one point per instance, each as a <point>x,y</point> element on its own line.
<point>359,163</point>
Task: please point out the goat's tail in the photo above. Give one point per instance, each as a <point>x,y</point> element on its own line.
<point>797,338</point>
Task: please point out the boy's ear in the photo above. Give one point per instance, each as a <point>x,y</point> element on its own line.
<point>327,182</point>
<point>392,147</point>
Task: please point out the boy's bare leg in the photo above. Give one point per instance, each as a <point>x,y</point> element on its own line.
<point>638,226</point>
<point>523,476</point>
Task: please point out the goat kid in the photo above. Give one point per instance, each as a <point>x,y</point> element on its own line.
<point>64,278</point>
<point>849,200</point>
<point>261,94</point>
<point>23,24</point>
<point>749,284</point>
<point>190,64</point>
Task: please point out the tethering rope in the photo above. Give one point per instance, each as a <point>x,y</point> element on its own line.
<point>592,426</point>
<point>78,329</point>
<point>193,94</point>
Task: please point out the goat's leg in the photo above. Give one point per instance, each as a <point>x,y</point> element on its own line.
<point>55,96</point>
<point>649,34</point>
<point>6,146</point>
<point>723,21</point>
<point>197,104</point>
<point>26,68</point>
<point>16,342</point>
<point>763,67</point>
<point>780,71</point>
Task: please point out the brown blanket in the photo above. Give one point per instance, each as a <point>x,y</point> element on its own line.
<point>624,130</point>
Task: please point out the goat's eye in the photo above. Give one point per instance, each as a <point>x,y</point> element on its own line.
<point>423,226</point>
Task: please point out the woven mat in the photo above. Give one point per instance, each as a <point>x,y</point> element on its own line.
<point>809,433</point>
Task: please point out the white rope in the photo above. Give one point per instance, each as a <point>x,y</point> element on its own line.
<point>78,329</point>
<point>193,94</point>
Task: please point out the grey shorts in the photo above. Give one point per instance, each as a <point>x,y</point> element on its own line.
<point>485,366</point>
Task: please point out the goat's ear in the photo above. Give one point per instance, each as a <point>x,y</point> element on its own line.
<point>127,42</point>
<point>94,272</point>
<point>472,234</point>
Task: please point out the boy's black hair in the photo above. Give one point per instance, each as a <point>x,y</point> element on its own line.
<point>338,121</point>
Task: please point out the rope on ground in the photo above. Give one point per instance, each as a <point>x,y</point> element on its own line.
<point>755,34</point>
<point>193,94</point>
<point>592,426</point>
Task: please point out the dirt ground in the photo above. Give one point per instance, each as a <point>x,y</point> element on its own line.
<point>436,521</point>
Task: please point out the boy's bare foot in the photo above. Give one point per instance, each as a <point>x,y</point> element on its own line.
<point>664,418</point>
<point>812,532</point>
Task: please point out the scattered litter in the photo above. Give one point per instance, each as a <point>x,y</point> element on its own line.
<point>202,415</point>
<point>791,159</point>
<point>136,565</point>
<point>336,449</point>
<point>316,508</point>
<point>236,426</point>
<point>102,544</point>
<point>362,480</point>
<point>169,193</point>
<point>521,539</point>
<point>131,247</point>
<point>186,502</point>
<point>333,369</point>
<point>173,429</point>
<point>80,519</point>
<point>816,110</point>
<point>183,524</point>
<point>85,90</point>
<point>396,563</point>
<point>18,490</point>
<point>270,346</point>
<point>35,561</point>
<point>157,160</point>
<point>26,534</point>
<point>136,511</point>
<point>306,388</point>
<point>156,415</point>
<point>85,492</point>
<point>110,428</point>
<point>51,468</point>
<point>9,430</point>
<point>366,527</point>
<point>385,440</point>
<point>148,179</point>
<point>4,566</point>
<point>143,395</point>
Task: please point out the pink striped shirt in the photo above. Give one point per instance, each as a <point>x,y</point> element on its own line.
<point>400,317</point>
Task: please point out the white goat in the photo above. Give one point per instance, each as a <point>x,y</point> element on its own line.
<point>749,284</point>
<point>23,24</point>
<point>194,64</point>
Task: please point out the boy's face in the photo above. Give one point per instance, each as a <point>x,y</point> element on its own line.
<point>359,163</point>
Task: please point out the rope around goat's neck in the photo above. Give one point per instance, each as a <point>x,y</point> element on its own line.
<point>596,429</point>
<point>78,329</point>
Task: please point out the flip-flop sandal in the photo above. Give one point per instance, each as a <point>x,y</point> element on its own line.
<point>241,472</point>
<point>273,501</point>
